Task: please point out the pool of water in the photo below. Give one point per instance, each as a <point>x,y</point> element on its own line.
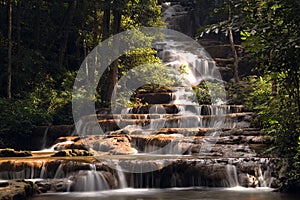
<point>174,194</point>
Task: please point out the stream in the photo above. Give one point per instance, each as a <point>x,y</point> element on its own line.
<point>175,193</point>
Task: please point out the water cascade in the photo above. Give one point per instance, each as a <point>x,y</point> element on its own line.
<point>173,142</point>
<point>90,180</point>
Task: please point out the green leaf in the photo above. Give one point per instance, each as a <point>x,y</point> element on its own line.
<point>244,35</point>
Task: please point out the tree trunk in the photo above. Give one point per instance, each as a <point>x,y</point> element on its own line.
<point>72,8</point>
<point>106,20</point>
<point>18,33</point>
<point>114,67</point>
<point>37,24</point>
<point>9,68</point>
<point>235,56</point>
<point>274,86</point>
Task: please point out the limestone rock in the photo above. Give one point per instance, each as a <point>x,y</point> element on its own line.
<point>13,153</point>
<point>17,189</point>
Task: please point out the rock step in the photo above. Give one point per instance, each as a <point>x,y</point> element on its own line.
<point>241,120</point>
<point>223,146</point>
<point>175,109</point>
<point>200,131</point>
<point>156,98</point>
<point>211,144</point>
<point>162,116</point>
<point>165,171</point>
<point>168,96</point>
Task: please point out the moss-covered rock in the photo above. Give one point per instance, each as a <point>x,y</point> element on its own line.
<point>18,189</point>
<point>73,152</point>
<point>13,153</point>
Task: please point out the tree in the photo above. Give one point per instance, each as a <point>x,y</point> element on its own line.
<point>271,32</point>
<point>227,25</point>
<point>9,53</point>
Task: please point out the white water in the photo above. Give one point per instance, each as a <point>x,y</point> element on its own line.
<point>93,180</point>
<point>56,147</point>
<point>90,181</point>
<point>198,193</point>
<point>121,176</point>
<point>44,140</point>
<point>232,175</point>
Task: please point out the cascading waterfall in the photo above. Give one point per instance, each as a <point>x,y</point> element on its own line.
<point>121,177</point>
<point>177,143</point>
<point>232,175</point>
<point>90,180</point>
<point>44,140</point>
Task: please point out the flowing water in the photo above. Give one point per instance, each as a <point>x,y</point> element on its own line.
<point>174,193</point>
<point>159,161</point>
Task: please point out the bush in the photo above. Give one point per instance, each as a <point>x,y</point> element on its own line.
<point>209,93</point>
<point>17,120</point>
<point>278,116</point>
<point>237,93</point>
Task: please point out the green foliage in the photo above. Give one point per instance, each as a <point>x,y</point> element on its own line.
<point>271,33</point>
<point>201,94</point>
<point>55,98</point>
<point>259,97</point>
<point>237,93</point>
<point>278,115</point>
<point>208,93</point>
<point>148,77</point>
<point>17,120</point>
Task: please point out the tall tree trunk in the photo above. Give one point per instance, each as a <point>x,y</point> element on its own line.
<point>114,66</point>
<point>37,24</point>
<point>65,37</point>
<point>106,20</point>
<point>9,68</point>
<point>96,33</point>
<point>235,56</point>
<point>105,35</point>
<point>18,33</point>
<point>233,49</point>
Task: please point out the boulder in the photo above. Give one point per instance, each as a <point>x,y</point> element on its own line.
<point>17,189</point>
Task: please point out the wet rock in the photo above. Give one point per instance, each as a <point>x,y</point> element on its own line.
<point>60,185</point>
<point>155,98</point>
<point>13,153</point>
<point>73,152</point>
<point>114,144</point>
<point>54,185</point>
<point>247,180</point>
<point>43,186</point>
<point>18,189</point>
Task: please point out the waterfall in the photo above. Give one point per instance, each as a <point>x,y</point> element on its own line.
<point>91,180</point>
<point>171,139</point>
<point>232,175</point>
<point>59,173</point>
<point>121,176</point>
<point>43,170</point>
<point>56,147</point>
<point>44,140</point>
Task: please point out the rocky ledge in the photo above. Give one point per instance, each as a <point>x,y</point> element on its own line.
<point>13,153</point>
<point>16,189</point>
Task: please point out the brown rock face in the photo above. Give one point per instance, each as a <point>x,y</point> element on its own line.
<point>116,144</point>
<point>17,190</point>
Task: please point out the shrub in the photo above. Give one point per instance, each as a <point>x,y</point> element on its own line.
<point>17,120</point>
